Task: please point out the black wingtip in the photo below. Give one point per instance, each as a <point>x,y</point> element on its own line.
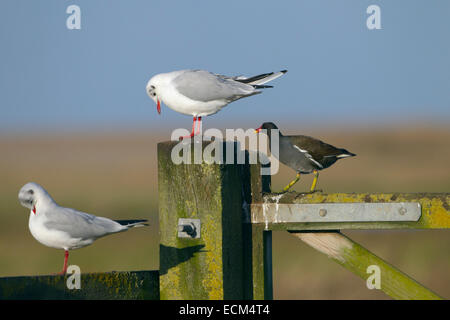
<point>127,222</point>
<point>261,86</point>
<point>258,77</point>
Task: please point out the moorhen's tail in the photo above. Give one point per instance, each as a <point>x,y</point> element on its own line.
<point>345,154</point>
<point>329,160</point>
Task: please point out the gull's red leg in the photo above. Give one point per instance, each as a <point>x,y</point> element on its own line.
<point>66,258</point>
<point>193,128</point>
<point>199,125</point>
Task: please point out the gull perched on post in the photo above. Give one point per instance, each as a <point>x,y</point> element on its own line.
<point>66,228</point>
<point>200,93</point>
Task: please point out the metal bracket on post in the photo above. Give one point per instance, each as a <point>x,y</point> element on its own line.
<point>189,228</point>
<point>335,212</point>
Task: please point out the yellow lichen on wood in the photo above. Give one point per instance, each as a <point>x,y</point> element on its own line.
<point>200,268</point>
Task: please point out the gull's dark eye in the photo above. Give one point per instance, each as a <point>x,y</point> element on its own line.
<point>153,94</point>
<point>30,191</point>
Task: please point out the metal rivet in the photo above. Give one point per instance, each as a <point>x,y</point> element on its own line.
<point>323,212</point>
<point>402,211</point>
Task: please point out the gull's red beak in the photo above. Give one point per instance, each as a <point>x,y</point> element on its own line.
<point>158,106</point>
<point>258,130</point>
<point>34,209</point>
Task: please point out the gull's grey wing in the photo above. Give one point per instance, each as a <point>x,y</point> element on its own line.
<point>80,224</point>
<point>204,86</point>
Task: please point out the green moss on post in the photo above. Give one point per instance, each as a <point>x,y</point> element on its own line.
<point>211,267</point>
<point>133,285</point>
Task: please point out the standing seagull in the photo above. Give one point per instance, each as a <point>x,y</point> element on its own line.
<point>65,228</point>
<point>305,154</point>
<point>200,93</point>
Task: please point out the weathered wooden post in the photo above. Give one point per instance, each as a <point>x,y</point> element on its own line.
<point>125,285</point>
<point>204,244</point>
<point>259,238</point>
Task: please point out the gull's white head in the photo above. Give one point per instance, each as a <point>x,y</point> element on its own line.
<point>31,194</point>
<point>152,90</point>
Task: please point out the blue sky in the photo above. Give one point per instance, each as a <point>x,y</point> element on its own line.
<point>340,72</point>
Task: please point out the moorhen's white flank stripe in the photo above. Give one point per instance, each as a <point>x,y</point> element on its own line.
<point>308,156</point>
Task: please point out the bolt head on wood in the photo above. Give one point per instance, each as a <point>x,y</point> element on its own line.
<point>323,212</point>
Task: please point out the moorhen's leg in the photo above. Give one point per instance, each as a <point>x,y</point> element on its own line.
<point>297,177</point>
<point>314,183</point>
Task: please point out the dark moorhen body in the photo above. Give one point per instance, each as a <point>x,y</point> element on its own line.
<point>305,154</point>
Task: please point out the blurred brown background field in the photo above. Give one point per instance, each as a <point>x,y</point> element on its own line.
<point>115,175</point>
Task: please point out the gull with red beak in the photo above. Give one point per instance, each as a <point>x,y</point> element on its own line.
<point>65,228</point>
<point>200,93</point>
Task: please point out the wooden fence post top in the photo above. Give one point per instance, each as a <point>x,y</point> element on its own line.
<point>133,285</point>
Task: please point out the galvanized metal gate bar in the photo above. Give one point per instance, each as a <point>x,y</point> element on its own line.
<point>340,211</point>
<point>335,212</point>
